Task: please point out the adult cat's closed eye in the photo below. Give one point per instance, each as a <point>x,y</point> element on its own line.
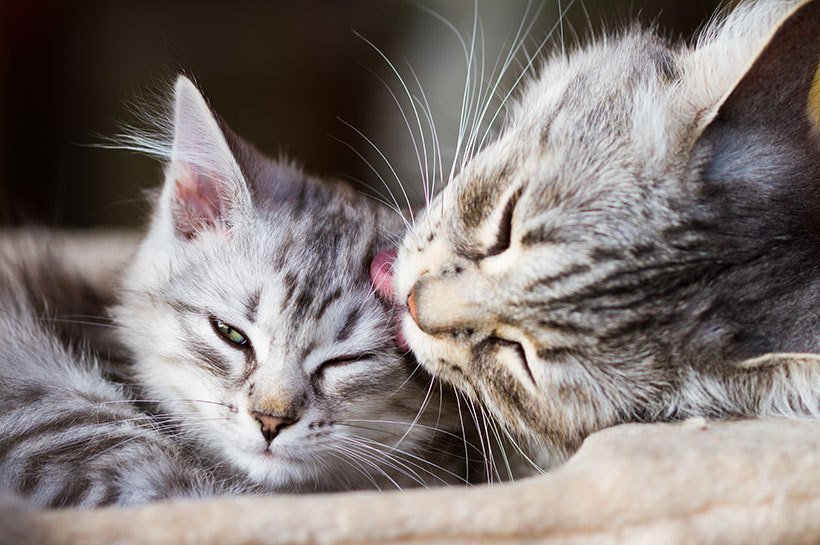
<point>641,241</point>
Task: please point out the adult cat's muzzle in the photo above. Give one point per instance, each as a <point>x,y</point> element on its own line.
<point>448,304</point>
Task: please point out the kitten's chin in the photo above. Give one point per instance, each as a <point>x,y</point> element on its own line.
<point>276,470</point>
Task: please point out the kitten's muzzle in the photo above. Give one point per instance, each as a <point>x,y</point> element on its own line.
<point>271,425</point>
<point>441,305</point>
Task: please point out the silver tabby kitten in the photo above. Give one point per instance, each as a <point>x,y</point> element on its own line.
<point>642,240</point>
<point>255,340</point>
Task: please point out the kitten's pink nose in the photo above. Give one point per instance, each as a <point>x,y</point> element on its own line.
<point>381,273</point>
<point>272,424</point>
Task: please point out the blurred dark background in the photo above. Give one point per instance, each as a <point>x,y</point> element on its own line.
<point>280,73</point>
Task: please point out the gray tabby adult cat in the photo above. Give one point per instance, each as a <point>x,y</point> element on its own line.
<point>642,240</point>
<point>255,341</point>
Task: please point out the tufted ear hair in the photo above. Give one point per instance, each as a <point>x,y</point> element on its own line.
<point>204,185</point>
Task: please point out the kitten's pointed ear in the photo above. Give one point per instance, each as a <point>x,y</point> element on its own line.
<point>204,185</point>
<point>781,89</point>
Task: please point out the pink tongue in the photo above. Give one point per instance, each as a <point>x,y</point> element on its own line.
<point>381,273</point>
<point>381,276</point>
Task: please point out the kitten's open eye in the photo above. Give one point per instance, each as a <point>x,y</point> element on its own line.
<point>231,334</point>
<point>504,236</point>
<point>342,360</point>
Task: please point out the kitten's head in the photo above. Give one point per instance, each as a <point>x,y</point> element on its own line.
<point>250,314</point>
<point>648,215</point>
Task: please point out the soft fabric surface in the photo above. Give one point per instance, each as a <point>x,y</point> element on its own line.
<point>696,482</point>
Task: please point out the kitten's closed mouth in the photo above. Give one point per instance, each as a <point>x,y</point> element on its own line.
<point>381,276</point>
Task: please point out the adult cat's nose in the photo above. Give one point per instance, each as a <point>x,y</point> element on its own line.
<point>411,305</point>
<point>272,424</point>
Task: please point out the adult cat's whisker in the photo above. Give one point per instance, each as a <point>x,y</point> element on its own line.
<point>379,176</point>
<point>387,162</point>
<point>524,72</point>
<point>420,411</point>
<point>404,118</point>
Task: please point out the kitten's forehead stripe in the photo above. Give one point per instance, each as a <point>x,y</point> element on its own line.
<point>252,305</point>
<point>349,325</point>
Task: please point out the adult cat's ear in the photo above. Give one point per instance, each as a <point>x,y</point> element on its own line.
<point>781,89</point>
<point>204,185</point>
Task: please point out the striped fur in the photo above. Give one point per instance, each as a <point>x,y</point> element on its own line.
<point>640,242</point>
<point>156,404</point>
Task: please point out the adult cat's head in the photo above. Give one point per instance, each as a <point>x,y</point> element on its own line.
<point>253,324</point>
<point>641,241</point>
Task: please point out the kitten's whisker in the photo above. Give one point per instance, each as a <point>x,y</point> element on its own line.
<point>420,460</point>
<point>363,457</point>
<point>504,456</point>
<point>521,451</point>
<point>389,460</point>
<point>523,30</point>
<point>398,434</point>
<point>349,459</point>
<point>463,434</point>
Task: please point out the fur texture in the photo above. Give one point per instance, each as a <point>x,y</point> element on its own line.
<point>641,241</point>
<point>250,353</point>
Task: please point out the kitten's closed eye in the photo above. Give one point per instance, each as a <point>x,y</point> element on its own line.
<point>504,236</point>
<point>342,361</point>
<point>230,334</point>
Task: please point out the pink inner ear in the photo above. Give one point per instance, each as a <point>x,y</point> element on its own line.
<point>197,203</point>
<point>381,276</point>
<point>381,273</point>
